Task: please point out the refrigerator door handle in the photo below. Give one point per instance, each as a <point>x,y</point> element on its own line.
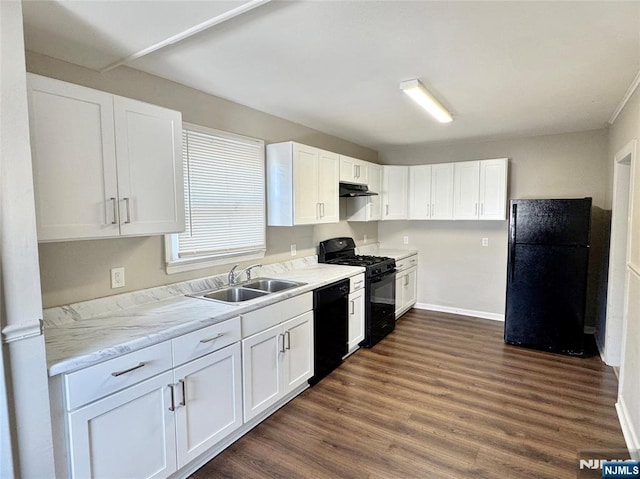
<point>512,241</point>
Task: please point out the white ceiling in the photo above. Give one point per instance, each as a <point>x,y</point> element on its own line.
<point>504,69</point>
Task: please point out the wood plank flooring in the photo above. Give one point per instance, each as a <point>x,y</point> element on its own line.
<point>440,397</point>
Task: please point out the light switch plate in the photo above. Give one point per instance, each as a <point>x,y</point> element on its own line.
<point>485,241</point>
<point>293,249</point>
<point>117,277</point>
<point>405,240</point>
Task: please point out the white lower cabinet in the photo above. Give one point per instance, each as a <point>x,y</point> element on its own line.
<point>406,284</point>
<point>275,362</point>
<point>356,313</point>
<point>159,424</point>
<point>128,434</point>
<point>210,401</point>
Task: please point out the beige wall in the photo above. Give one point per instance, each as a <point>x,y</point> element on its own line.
<point>79,270</point>
<point>455,270</point>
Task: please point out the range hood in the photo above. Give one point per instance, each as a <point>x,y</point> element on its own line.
<point>349,190</point>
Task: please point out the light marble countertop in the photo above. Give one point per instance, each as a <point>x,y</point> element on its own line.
<point>84,334</point>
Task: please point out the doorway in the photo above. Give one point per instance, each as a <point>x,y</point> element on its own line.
<point>609,329</point>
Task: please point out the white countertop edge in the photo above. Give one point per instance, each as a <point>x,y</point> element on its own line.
<point>88,357</point>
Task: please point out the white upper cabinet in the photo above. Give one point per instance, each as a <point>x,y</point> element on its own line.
<point>395,187</point>
<point>149,160</point>
<point>353,170</point>
<point>104,165</point>
<point>466,190</point>
<point>493,189</point>
<point>480,190</point>
<point>442,191</point>
<point>302,185</point>
<point>367,208</point>
<point>431,192</point>
<point>420,192</point>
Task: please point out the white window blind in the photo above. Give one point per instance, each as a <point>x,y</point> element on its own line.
<point>224,195</point>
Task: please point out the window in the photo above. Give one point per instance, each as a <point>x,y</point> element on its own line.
<point>224,192</point>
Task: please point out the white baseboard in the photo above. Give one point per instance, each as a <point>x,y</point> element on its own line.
<point>463,312</point>
<point>630,436</point>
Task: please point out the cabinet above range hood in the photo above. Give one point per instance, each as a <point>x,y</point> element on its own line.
<point>350,190</point>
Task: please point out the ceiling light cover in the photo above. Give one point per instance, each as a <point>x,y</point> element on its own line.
<point>426,100</point>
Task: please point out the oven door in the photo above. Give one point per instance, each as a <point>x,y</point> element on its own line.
<point>380,317</point>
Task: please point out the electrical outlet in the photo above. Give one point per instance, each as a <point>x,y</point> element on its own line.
<point>405,240</point>
<point>117,277</point>
<point>485,241</point>
<point>293,250</point>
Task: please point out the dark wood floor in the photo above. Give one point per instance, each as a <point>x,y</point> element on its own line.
<point>441,397</point>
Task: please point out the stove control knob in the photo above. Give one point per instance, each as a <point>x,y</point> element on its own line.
<point>377,271</point>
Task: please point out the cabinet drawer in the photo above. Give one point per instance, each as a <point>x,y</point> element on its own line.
<point>264,318</point>
<point>407,263</point>
<point>94,382</point>
<point>205,341</point>
<point>356,282</point>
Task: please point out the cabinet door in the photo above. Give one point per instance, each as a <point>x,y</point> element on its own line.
<point>395,181</point>
<point>442,191</point>
<point>150,175</point>
<point>348,169</point>
<point>328,187</point>
<point>375,185</point>
<point>74,160</point>
<point>466,190</point>
<point>305,185</point>
<point>356,319</point>
<point>420,192</point>
<point>297,362</point>
<point>410,285</point>
<point>493,189</point>
<point>261,370</point>
<point>127,434</point>
<point>209,401</point>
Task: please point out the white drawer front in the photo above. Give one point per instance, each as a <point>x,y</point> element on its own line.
<point>264,318</point>
<point>407,263</point>
<point>205,341</point>
<point>97,381</point>
<point>356,283</point>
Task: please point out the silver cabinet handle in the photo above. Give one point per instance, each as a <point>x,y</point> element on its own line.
<point>386,210</point>
<point>281,349</point>
<point>173,402</point>
<point>481,209</point>
<point>475,211</point>
<point>120,373</point>
<point>208,340</point>
<point>115,211</point>
<point>127,203</point>
<point>287,335</point>
<point>413,261</point>
<point>318,210</point>
<point>184,392</point>
<point>321,210</point>
<point>406,280</point>
<point>357,284</point>
<point>352,305</point>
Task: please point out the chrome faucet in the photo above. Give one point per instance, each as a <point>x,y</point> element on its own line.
<point>233,276</point>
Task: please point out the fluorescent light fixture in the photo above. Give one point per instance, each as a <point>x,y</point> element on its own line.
<point>426,100</point>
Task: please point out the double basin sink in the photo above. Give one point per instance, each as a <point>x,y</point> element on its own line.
<point>251,290</point>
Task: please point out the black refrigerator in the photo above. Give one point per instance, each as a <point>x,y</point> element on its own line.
<point>547,269</point>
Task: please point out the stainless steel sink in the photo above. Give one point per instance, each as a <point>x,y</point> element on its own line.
<point>272,285</point>
<point>236,294</point>
<point>254,289</point>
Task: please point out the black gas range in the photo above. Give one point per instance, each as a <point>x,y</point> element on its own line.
<point>380,285</point>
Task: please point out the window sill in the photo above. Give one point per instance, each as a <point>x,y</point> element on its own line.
<point>192,264</point>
